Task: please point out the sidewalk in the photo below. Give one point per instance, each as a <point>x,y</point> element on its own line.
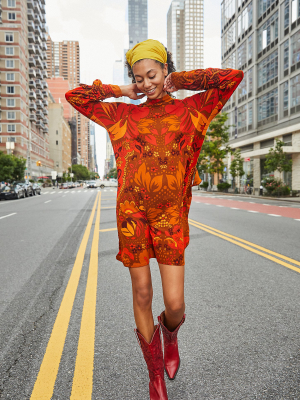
<point>290,199</point>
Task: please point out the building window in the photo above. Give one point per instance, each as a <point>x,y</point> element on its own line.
<point>11,3</point>
<point>250,81</point>
<point>263,5</point>
<point>286,13</point>
<point>11,115</point>
<point>295,48</point>
<point>10,63</point>
<point>242,88</point>
<point>9,51</point>
<point>250,47</point>
<point>294,10</point>
<point>9,37</point>
<point>268,105</point>
<point>10,77</point>
<point>268,32</point>
<point>57,132</point>
<point>285,55</point>
<point>57,142</point>
<point>10,102</point>
<point>242,54</point>
<point>10,89</point>
<point>242,119</point>
<point>12,16</point>
<point>268,69</point>
<point>250,115</point>
<point>11,128</point>
<point>285,98</point>
<point>228,38</point>
<point>295,91</point>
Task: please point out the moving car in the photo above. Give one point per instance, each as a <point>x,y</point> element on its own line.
<point>91,184</point>
<point>12,192</point>
<point>110,183</point>
<point>36,189</point>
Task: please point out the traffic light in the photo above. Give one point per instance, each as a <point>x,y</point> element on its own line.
<point>38,164</point>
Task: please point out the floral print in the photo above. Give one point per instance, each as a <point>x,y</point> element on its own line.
<point>156,145</point>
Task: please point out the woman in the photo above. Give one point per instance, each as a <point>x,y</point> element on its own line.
<point>156,145</point>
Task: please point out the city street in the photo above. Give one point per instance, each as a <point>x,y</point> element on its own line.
<point>60,283</point>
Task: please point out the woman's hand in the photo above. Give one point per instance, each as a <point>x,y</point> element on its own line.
<point>168,84</point>
<point>131,91</point>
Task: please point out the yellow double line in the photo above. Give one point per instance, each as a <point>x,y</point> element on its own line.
<point>83,374</point>
<point>254,248</point>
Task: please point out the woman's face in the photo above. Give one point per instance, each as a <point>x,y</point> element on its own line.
<point>150,77</point>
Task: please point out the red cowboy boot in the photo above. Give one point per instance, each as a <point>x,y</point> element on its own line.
<point>171,354</point>
<point>154,359</point>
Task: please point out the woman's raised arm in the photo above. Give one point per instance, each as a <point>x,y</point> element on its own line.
<point>88,100</point>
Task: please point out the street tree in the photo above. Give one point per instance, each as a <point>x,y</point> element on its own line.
<point>113,173</point>
<point>276,159</point>
<point>236,166</point>
<point>11,167</point>
<point>19,168</point>
<point>215,146</point>
<point>80,172</point>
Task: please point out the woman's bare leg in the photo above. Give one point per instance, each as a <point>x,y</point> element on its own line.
<point>142,293</point>
<point>172,277</point>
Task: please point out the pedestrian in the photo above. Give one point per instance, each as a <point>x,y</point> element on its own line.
<point>156,145</point>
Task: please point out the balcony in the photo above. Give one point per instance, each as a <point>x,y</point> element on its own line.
<point>38,61</point>
<point>32,117</point>
<point>39,84</point>
<point>32,95</point>
<point>44,55</point>
<point>39,124</point>
<point>30,4</point>
<point>37,19</point>
<point>44,37</point>
<point>45,94</point>
<point>39,104</point>
<point>45,111</point>
<point>45,65</point>
<point>30,14</point>
<point>45,120</point>
<point>45,74</point>
<point>38,40</point>
<point>45,102</point>
<point>45,84</point>
<point>32,84</point>
<point>44,46</point>
<point>37,6</point>
<point>32,73</point>
<point>31,61</point>
<point>43,18</point>
<point>43,2</point>
<point>31,49</point>
<point>32,106</point>
<point>31,37</point>
<point>40,114</point>
<point>39,94</point>
<point>46,130</point>
<point>38,73</point>
<point>44,28</point>
<point>37,30</point>
<point>38,50</point>
<point>31,26</point>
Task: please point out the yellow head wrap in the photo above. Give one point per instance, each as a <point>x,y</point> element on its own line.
<point>148,49</point>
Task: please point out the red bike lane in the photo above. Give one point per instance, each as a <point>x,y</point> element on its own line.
<point>281,211</point>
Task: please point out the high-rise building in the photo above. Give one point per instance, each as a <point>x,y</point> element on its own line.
<point>64,61</point>
<point>263,39</point>
<point>24,91</point>
<point>185,35</point>
<point>137,21</point>
<point>93,157</point>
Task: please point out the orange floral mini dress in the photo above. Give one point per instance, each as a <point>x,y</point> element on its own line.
<point>156,146</point>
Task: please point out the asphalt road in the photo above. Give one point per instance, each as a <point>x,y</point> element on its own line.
<point>66,321</point>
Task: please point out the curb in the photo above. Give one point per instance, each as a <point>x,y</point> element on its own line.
<point>249,196</point>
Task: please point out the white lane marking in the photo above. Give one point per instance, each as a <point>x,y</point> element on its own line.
<point>45,192</point>
<point>52,193</point>
<point>85,191</point>
<point>48,201</point>
<point>111,190</point>
<point>252,211</point>
<point>218,205</point>
<point>282,206</point>
<point>105,190</point>
<point>73,191</point>
<point>8,215</point>
<point>79,191</point>
<point>207,204</point>
<point>274,215</point>
<point>297,220</point>
<point>266,204</point>
<point>252,202</point>
<point>233,208</point>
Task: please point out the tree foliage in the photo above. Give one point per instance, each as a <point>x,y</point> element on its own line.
<point>236,167</point>
<point>215,147</point>
<point>12,168</point>
<point>81,173</point>
<point>277,159</point>
<point>113,173</point>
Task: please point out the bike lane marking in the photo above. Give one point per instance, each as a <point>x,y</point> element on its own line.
<point>44,385</point>
<point>289,212</point>
<point>246,245</point>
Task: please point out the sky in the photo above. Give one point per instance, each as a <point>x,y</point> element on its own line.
<point>101,27</point>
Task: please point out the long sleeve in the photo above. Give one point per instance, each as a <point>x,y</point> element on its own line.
<point>218,84</point>
<point>88,100</point>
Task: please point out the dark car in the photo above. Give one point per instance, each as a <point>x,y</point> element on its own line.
<point>36,189</point>
<point>27,186</point>
<point>12,192</point>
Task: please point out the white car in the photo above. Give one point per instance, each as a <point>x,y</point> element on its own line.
<point>110,183</point>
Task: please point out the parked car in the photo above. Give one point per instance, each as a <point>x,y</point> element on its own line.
<point>110,183</point>
<point>91,184</point>
<point>27,186</point>
<point>12,192</point>
<point>36,189</point>
<point>65,185</point>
